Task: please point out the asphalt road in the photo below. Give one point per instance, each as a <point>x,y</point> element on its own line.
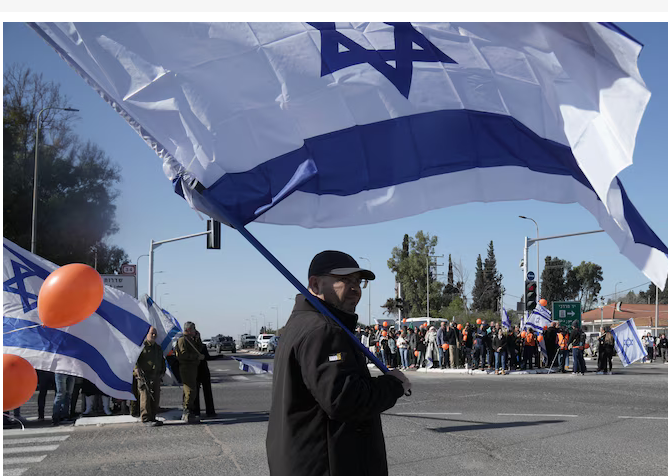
<point>452,424</point>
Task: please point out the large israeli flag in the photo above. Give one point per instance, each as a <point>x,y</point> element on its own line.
<point>103,348</point>
<point>628,345</point>
<point>338,124</point>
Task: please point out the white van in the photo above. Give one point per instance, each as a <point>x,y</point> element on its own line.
<point>262,342</point>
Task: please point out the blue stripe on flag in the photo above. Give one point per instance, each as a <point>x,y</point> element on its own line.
<point>168,338</point>
<point>131,326</point>
<point>635,336</point>
<point>395,151</point>
<point>620,347</point>
<point>59,342</point>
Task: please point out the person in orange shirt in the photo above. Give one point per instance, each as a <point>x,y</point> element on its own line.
<point>529,349</point>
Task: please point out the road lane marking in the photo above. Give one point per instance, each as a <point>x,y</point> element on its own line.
<point>535,415</point>
<point>22,460</point>
<point>645,417</point>
<point>36,431</point>
<point>14,471</point>
<point>240,377</point>
<point>419,413</point>
<point>32,441</point>
<point>29,449</point>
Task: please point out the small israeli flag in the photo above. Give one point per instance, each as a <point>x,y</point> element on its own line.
<point>506,320</point>
<point>627,343</point>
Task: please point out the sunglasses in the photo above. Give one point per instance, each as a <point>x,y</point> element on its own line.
<point>356,282</point>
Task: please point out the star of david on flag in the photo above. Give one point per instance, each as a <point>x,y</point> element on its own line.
<point>628,344</point>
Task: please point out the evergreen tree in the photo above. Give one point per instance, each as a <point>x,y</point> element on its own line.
<point>493,290</point>
<point>478,286</point>
<point>451,274</point>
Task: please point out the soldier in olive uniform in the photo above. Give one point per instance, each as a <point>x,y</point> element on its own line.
<point>189,357</point>
<point>149,371</point>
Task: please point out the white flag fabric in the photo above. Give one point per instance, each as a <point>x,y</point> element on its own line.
<point>103,348</point>
<point>340,124</point>
<point>628,345</point>
<point>165,324</point>
<point>505,322</point>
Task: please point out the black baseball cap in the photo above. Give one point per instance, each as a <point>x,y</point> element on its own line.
<point>337,263</point>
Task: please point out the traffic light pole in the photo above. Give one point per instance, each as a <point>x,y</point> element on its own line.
<point>530,241</point>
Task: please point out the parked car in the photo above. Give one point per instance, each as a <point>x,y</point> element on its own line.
<point>262,342</point>
<point>208,343</point>
<point>273,344</point>
<point>247,341</point>
<point>227,343</point>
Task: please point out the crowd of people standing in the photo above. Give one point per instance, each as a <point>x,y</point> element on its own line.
<point>490,346</point>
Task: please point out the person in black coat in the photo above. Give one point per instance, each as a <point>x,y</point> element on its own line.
<point>326,406</point>
<point>204,381</point>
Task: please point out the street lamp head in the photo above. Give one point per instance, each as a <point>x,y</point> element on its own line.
<point>71,109</point>
<point>522,216</point>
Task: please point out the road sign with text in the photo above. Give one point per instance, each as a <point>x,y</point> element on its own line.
<point>567,312</point>
<point>125,283</point>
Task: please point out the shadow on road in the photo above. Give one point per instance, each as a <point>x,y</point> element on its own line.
<point>492,426</point>
<point>236,417</point>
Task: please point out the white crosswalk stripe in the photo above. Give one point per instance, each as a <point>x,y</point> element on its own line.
<point>32,441</point>
<point>22,460</point>
<point>14,471</point>
<point>23,447</point>
<point>29,449</point>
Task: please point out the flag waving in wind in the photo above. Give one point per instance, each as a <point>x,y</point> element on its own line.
<point>538,320</point>
<point>165,324</point>
<point>505,321</point>
<point>628,345</point>
<point>339,124</point>
<point>102,348</point>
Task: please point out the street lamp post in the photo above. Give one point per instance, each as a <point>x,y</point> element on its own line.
<point>156,288</point>
<point>276,307</point>
<point>369,292</point>
<point>537,257</point>
<point>33,236</point>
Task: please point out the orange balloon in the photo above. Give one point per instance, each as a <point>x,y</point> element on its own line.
<point>540,338</point>
<point>69,295</point>
<point>384,323</point>
<point>376,326</point>
<point>523,334</point>
<point>459,327</point>
<point>479,321</point>
<point>543,302</point>
<point>19,381</point>
<point>445,346</point>
<point>416,353</point>
<point>404,319</point>
<point>384,333</point>
<point>586,346</point>
<point>544,328</point>
<point>465,337</point>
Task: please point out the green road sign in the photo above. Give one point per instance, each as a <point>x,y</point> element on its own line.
<point>567,313</point>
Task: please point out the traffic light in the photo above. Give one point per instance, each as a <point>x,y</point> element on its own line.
<point>399,302</point>
<point>213,239</point>
<point>530,291</point>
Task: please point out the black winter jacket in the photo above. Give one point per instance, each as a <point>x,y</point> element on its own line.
<point>325,409</point>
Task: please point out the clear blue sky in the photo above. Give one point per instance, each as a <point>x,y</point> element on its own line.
<point>221,290</point>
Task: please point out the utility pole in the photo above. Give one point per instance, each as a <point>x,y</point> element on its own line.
<point>429,264</point>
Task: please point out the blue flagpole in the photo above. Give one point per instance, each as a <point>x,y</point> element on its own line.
<point>310,297</point>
